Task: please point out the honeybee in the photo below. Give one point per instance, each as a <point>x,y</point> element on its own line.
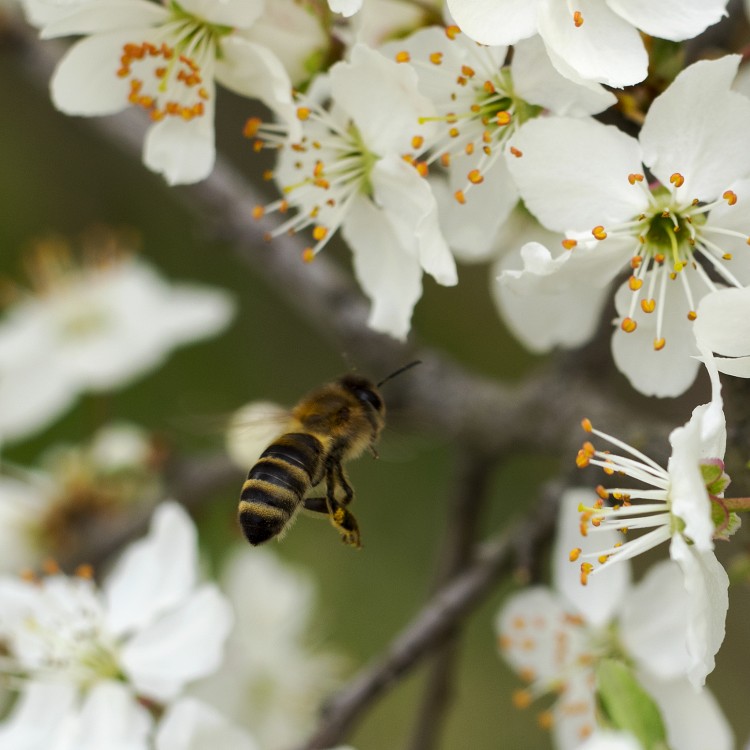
<point>331,425</point>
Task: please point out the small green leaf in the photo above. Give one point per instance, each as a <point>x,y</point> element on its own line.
<point>626,706</point>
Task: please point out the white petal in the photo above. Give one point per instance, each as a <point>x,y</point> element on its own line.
<point>667,372</point>
<point>39,715</point>
<point>105,16</point>
<point>190,724</point>
<point>183,645</point>
<point>598,601</point>
<point>608,740</point>
<point>183,150</point>
<point>573,174</point>
<point>696,128</point>
<point>345,7</point>
<point>723,323</point>
<point>603,48</point>
<point>252,70</point>
<point>112,718</point>
<point>573,713</point>
<point>495,21</point>
<point>670,19</point>
<point>235,13</point>
<point>154,574</point>
<point>653,622</point>
<point>707,587</point>
<point>693,718</point>
<point>537,81</point>
<point>382,98</point>
<point>390,276</point>
<point>411,209</point>
<point>85,80</point>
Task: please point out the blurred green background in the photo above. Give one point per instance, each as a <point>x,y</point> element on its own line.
<point>58,176</point>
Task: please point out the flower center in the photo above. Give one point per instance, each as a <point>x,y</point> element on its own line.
<point>168,71</point>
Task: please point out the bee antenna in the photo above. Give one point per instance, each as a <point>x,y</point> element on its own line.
<point>399,371</point>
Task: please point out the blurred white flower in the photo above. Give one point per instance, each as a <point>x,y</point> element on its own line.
<point>51,509</point>
<point>675,237</point>
<point>86,659</point>
<point>345,7</point>
<point>679,508</point>
<point>271,682</point>
<point>723,326</point>
<point>554,638</point>
<point>351,171</point>
<point>597,40</point>
<point>604,740</point>
<point>94,327</point>
<point>165,59</point>
<point>480,102</point>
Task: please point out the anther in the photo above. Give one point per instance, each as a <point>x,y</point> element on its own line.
<point>586,424</point>
<point>586,569</point>
<point>599,232</point>
<point>635,283</point>
<point>436,58</point>
<point>648,305</point>
<point>730,197</point>
<point>522,698</point>
<point>659,344</point>
<point>692,315</point>
<point>258,212</point>
<point>602,492</point>
<point>452,31</point>
<point>628,325</point>
<point>578,19</point>
<point>574,554</point>
<point>569,244</point>
<point>308,255</point>
<point>503,118</point>
<point>518,154</point>
<point>303,113</point>
<point>677,179</point>
<point>402,57</point>
<point>635,177</point>
<point>475,177</point>
<point>417,141</point>
<point>460,197</point>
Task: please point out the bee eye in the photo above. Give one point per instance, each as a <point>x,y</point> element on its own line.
<point>367,396</point>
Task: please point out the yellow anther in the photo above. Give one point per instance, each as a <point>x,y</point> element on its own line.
<point>518,154</point>
<point>574,554</point>
<point>677,179</point>
<point>252,124</point>
<point>258,212</point>
<point>599,232</point>
<point>459,196</point>
<point>503,118</point>
<point>635,177</point>
<point>602,559</point>
<point>730,197</point>
<point>522,698</point>
<point>546,720</point>
<point>648,305</point>
<point>636,261</point>
<point>582,459</point>
<point>436,58</point>
<point>586,569</point>
<point>303,113</point>
<point>468,71</point>
<point>586,424</point>
<point>578,19</point>
<point>692,315</point>
<point>475,177</point>
<point>50,567</point>
<point>319,233</point>
<point>308,255</point>
<point>402,57</point>
<point>85,571</point>
<point>635,283</point>
<point>602,492</point>
<point>628,325</point>
<point>417,141</point>
<point>452,31</point>
<point>659,344</point>
<point>569,244</point>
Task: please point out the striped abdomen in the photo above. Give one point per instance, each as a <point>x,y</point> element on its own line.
<point>277,484</point>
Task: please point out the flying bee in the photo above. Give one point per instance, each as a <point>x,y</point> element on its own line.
<point>331,425</point>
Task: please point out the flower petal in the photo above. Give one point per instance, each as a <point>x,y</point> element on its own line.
<point>235,13</point>
<point>154,574</point>
<point>190,724</point>
<point>722,322</point>
<point>105,16</point>
<point>183,150</point>
<point>183,645</point>
<point>707,586</point>
<point>345,7</point>
<point>696,128</point>
<point>573,174</point>
<point>495,21</point>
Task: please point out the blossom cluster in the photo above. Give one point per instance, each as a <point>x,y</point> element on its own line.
<point>565,145</point>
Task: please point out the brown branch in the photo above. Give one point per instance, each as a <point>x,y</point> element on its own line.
<point>435,622</point>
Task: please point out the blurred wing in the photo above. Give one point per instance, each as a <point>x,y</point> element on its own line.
<point>252,428</point>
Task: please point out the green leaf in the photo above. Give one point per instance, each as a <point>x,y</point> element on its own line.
<point>626,706</point>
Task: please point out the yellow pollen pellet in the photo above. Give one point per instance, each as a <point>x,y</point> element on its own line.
<point>677,179</point>
<point>258,212</point>
<point>635,283</point>
<point>586,424</point>
<point>635,177</point>
<point>522,698</point>
<point>319,233</point>
<point>659,344</point>
<point>303,113</point>
<point>308,255</point>
<point>475,177</point>
<point>518,154</point>
<point>574,554</point>
<point>459,196</point>
<point>569,244</point>
<point>503,118</point>
<point>692,315</point>
<point>730,197</point>
<point>648,305</point>
<point>599,232</point>
<point>628,325</point>
<point>402,57</point>
<point>452,31</point>
<point>436,58</point>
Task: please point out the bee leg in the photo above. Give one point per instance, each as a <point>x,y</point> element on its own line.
<point>343,482</point>
<point>340,517</point>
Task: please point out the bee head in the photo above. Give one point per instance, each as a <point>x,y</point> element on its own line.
<point>364,390</point>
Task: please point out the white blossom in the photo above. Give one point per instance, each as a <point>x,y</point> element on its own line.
<point>85,658</point>
<point>93,328</point>
<point>596,40</point>
<point>554,638</point>
<point>165,59</point>
<point>677,507</point>
<point>723,327</point>
<point>674,237</point>
<point>349,172</point>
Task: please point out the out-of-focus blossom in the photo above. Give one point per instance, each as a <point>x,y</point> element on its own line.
<point>723,327</point>
<point>271,681</point>
<point>597,40</point>
<point>165,59</point>
<point>479,103</point>
<point>604,740</point>
<point>51,511</point>
<point>348,171</point>
<point>554,638</point>
<point>87,659</point>
<point>676,237</point>
<point>680,506</point>
<point>92,327</point>
<point>345,7</point>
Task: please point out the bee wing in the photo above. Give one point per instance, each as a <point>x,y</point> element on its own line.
<point>252,428</point>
